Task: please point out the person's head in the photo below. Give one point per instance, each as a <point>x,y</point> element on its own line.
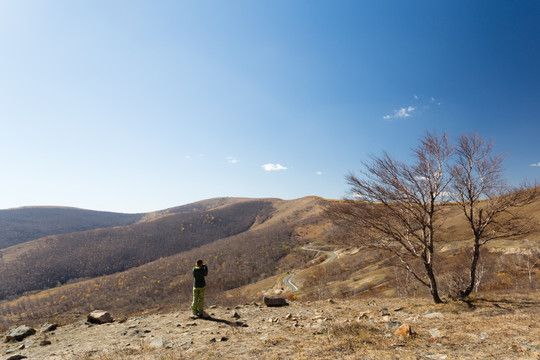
<point>199,262</point>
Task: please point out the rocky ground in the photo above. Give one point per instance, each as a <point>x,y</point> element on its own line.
<point>501,327</point>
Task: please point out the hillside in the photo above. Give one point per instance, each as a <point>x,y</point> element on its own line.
<point>28,223</point>
<point>251,246</point>
<point>57,259</point>
<point>243,241</point>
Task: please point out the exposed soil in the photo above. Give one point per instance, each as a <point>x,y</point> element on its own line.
<point>500,327</point>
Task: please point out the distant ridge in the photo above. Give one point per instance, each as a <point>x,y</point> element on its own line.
<point>24,224</point>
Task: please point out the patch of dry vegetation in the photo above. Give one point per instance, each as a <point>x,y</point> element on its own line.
<point>501,326</point>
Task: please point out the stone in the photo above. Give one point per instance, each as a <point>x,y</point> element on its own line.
<point>161,343</point>
<point>435,333</point>
<point>363,315</point>
<point>187,342</point>
<point>19,348</point>
<point>99,317</point>
<point>45,343</point>
<point>19,333</point>
<point>403,331</point>
<point>17,357</point>
<point>434,315</point>
<point>48,328</point>
<point>235,315</point>
<point>275,302</point>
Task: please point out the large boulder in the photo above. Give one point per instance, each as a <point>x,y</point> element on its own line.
<point>100,317</point>
<point>275,302</point>
<point>19,333</point>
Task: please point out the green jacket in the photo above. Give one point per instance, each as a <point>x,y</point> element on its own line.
<point>199,272</point>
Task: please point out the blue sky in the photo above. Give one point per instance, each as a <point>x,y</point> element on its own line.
<point>135,106</point>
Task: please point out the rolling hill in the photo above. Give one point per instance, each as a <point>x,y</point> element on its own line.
<point>250,245</point>
<point>28,223</point>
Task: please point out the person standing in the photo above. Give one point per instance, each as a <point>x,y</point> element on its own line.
<point>199,286</point>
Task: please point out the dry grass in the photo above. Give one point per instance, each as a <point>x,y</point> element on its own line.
<point>500,326</point>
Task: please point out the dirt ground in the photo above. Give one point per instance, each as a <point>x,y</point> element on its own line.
<point>494,327</point>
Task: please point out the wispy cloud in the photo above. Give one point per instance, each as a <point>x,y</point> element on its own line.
<point>231,160</point>
<point>273,167</point>
<point>402,113</point>
<point>536,164</point>
<point>420,103</point>
<point>318,173</point>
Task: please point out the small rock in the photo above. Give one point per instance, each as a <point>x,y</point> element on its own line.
<point>45,343</point>
<point>484,336</point>
<point>437,356</point>
<point>363,315</point>
<point>17,357</point>
<point>235,315</point>
<point>161,343</point>
<point>100,317</point>
<point>19,348</point>
<point>404,331</point>
<point>435,333</point>
<point>433,315</point>
<point>191,324</point>
<point>48,328</point>
<point>331,301</point>
<point>189,341</point>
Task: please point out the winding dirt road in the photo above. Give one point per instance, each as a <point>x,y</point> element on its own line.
<point>331,257</point>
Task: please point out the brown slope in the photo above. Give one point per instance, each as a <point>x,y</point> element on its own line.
<point>28,223</point>
<point>46,262</point>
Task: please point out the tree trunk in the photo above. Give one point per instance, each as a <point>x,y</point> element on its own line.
<point>432,283</point>
<point>472,271</point>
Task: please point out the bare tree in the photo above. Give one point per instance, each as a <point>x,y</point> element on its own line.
<point>393,206</point>
<point>532,261</point>
<point>480,190</point>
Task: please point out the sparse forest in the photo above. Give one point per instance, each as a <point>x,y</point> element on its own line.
<point>163,284</point>
<point>58,259</point>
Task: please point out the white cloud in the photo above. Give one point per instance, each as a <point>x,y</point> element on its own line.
<point>273,167</point>
<point>231,160</point>
<point>401,113</point>
<point>537,164</point>
<point>318,173</point>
